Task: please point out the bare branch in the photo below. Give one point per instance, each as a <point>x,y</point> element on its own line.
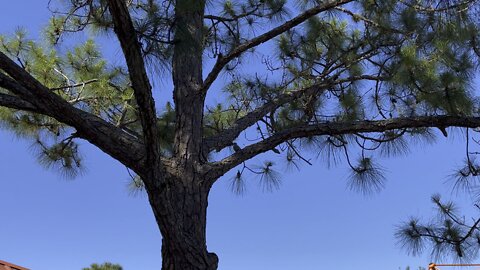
<point>222,61</point>
<point>339,128</point>
<point>82,84</point>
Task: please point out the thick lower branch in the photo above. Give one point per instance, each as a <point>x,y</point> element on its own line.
<point>340,128</point>
<point>92,128</point>
<point>16,103</point>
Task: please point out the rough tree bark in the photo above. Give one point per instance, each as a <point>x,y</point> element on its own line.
<point>180,207</point>
<point>180,210</point>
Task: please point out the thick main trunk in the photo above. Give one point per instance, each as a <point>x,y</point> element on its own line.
<point>180,202</point>
<point>180,210</point>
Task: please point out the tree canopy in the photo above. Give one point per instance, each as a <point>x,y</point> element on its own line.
<point>341,81</point>
<point>104,266</point>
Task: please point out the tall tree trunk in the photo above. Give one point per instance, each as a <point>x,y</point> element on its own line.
<point>187,66</point>
<point>180,210</point>
<point>180,204</point>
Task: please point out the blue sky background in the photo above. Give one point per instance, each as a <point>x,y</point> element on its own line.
<point>313,222</point>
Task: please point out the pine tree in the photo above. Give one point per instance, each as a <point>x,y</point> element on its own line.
<point>340,78</point>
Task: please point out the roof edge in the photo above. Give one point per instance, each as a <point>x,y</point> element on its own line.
<point>13,265</point>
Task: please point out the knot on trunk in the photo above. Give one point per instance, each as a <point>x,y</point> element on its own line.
<point>212,261</point>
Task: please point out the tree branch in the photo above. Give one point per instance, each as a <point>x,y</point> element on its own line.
<point>222,61</point>
<point>140,83</point>
<point>226,137</point>
<point>82,84</point>
<point>340,128</point>
<point>16,103</point>
<point>105,136</point>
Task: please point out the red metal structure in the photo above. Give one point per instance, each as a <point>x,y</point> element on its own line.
<point>433,266</point>
<point>10,266</point>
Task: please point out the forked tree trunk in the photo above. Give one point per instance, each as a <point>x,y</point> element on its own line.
<point>180,210</point>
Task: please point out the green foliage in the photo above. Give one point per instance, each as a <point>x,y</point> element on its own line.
<point>166,123</point>
<point>237,184</point>
<point>83,78</point>
<point>220,118</point>
<point>269,178</point>
<point>447,235</point>
<point>417,268</point>
<point>366,177</point>
<point>104,266</point>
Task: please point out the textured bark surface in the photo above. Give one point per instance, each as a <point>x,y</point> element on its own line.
<point>181,206</point>
<point>180,210</point>
<point>128,39</point>
<point>187,80</point>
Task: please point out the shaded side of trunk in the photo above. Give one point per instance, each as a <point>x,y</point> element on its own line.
<point>180,210</point>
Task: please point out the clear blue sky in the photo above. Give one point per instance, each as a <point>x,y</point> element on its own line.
<point>313,222</point>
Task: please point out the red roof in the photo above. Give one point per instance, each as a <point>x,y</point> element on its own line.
<point>10,266</point>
